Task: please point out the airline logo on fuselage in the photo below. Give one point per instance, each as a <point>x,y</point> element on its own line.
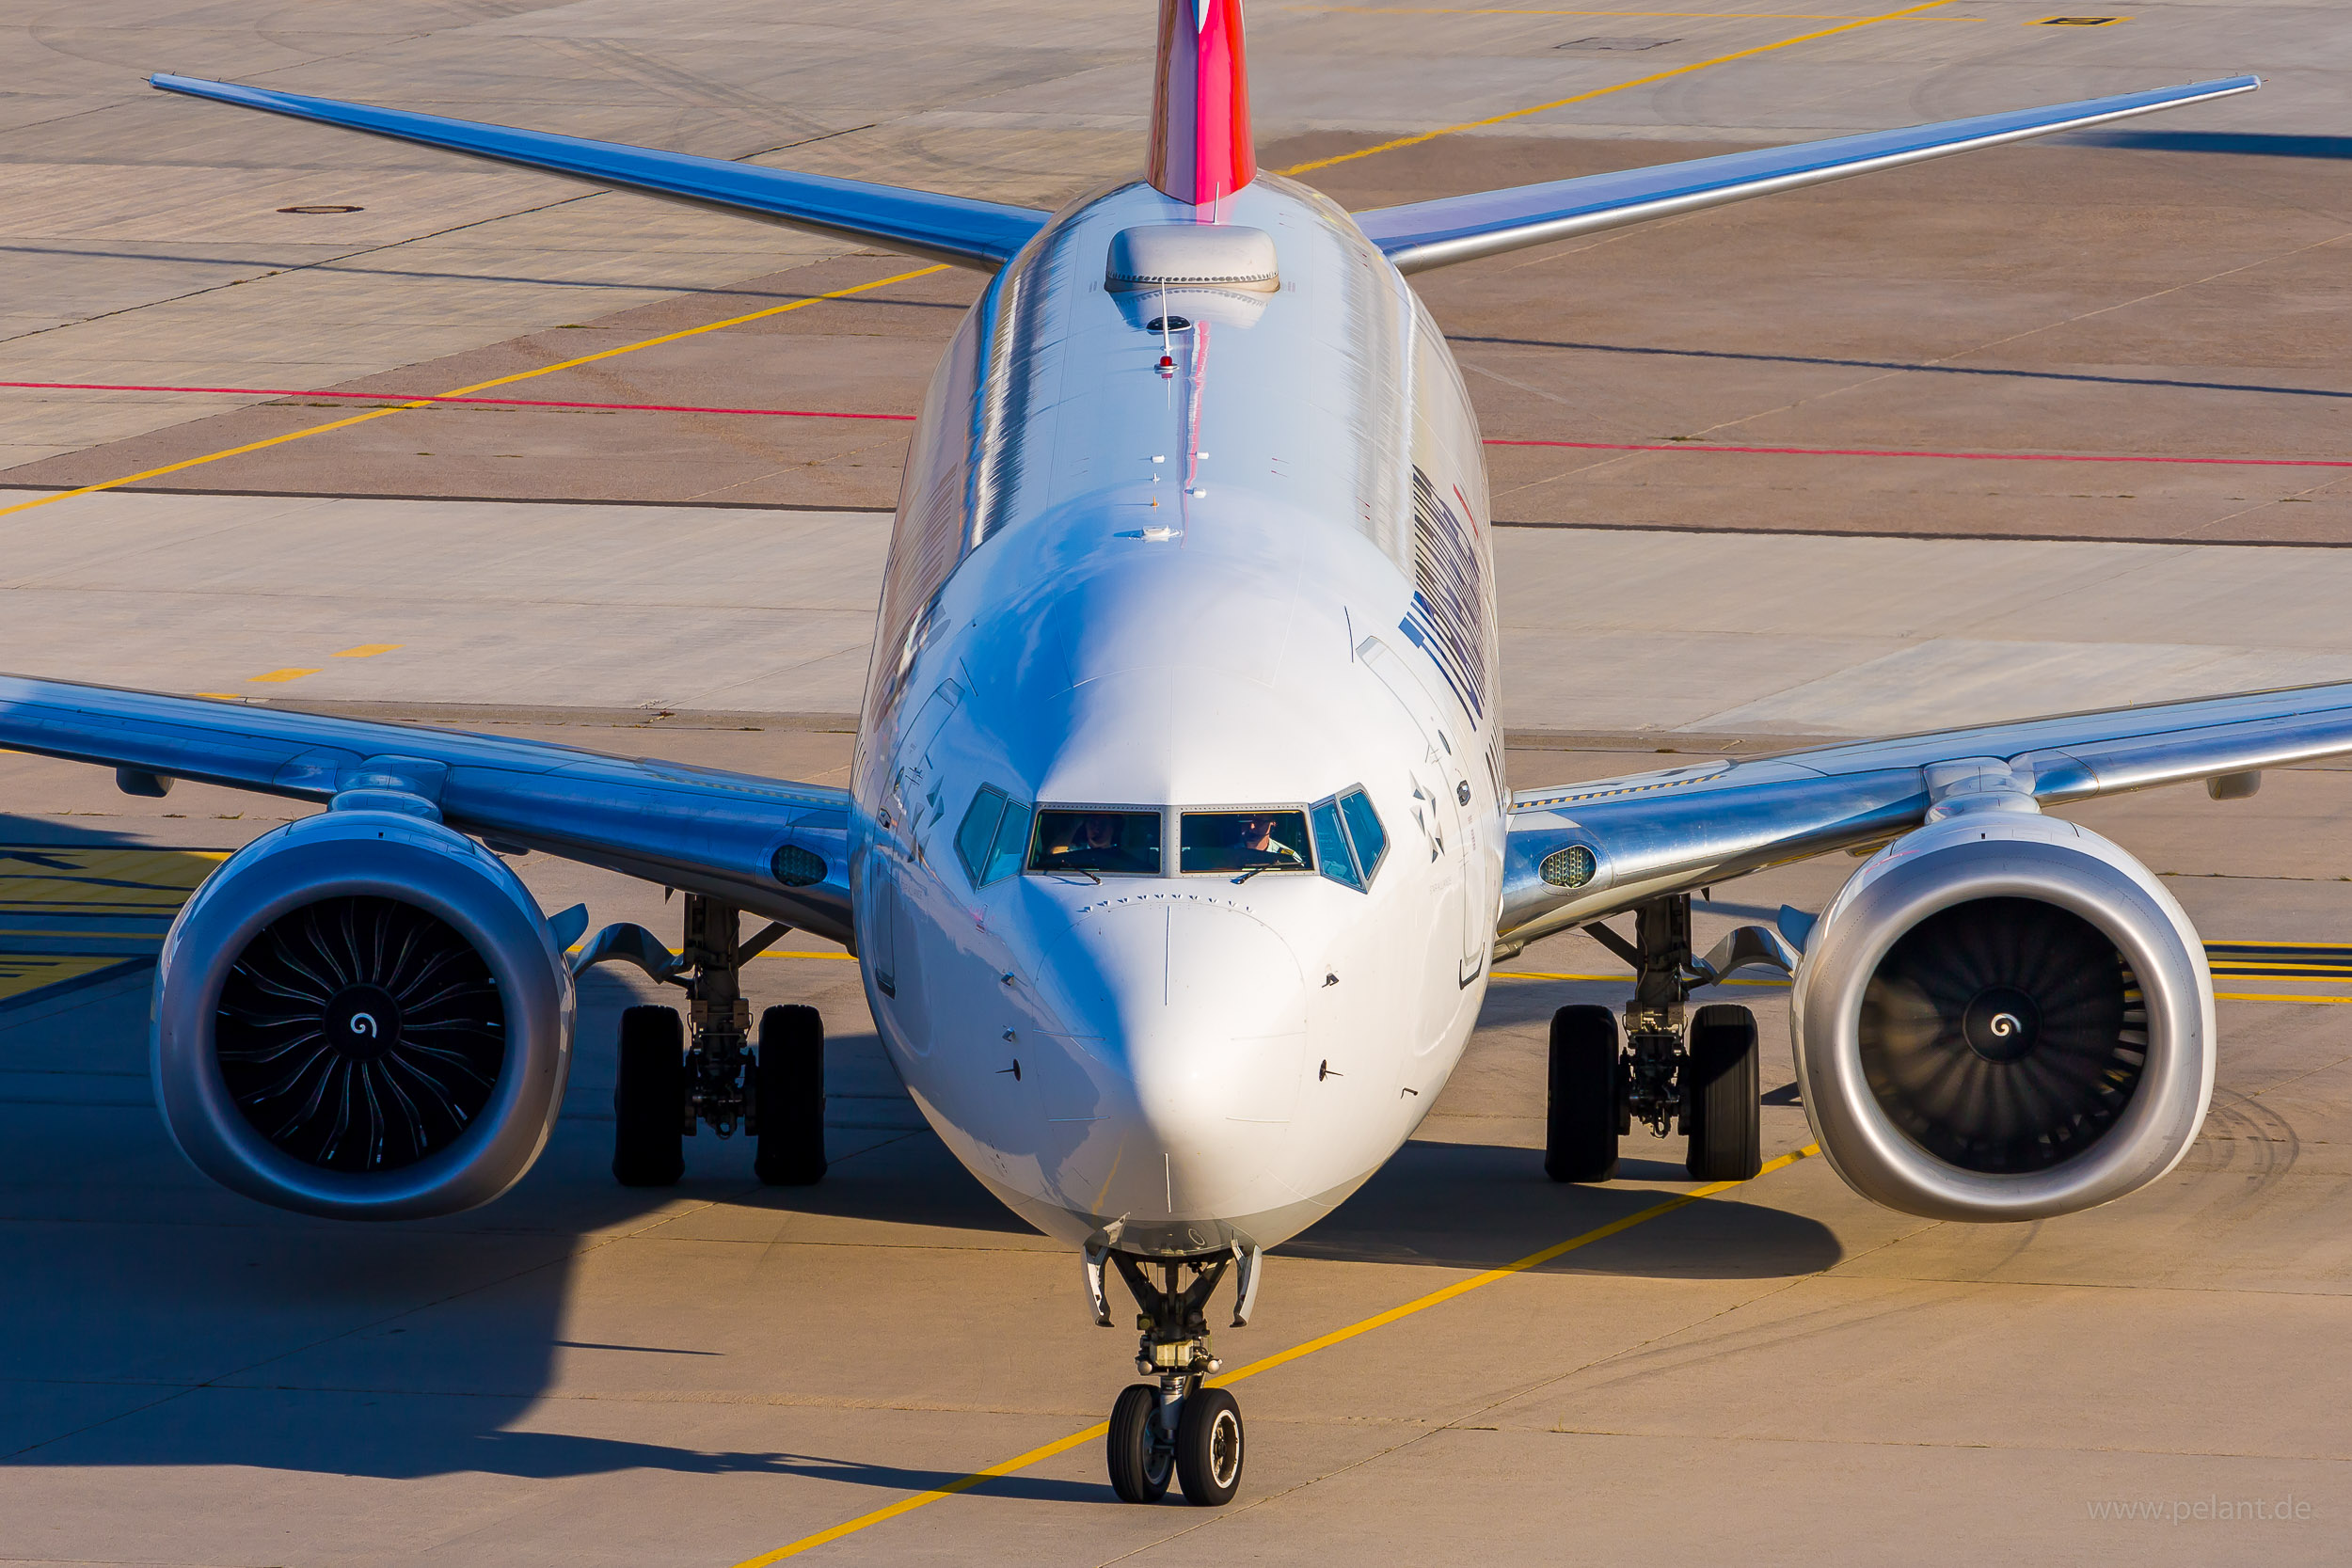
<point>1448,619</point>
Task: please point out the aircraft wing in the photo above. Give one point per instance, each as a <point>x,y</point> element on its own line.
<point>1461,227</point>
<point>1589,851</point>
<point>952,228</point>
<point>699,829</point>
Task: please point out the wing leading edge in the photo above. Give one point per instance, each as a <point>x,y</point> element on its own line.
<point>1682,828</point>
<point>952,228</point>
<point>1462,227</point>
<point>698,828</point>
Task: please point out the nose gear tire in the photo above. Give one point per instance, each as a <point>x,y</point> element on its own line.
<point>790,1081</point>
<point>1209,1449</point>
<point>649,1100</point>
<point>1581,1112</point>
<point>1721,1095</point>
<point>1142,1460</point>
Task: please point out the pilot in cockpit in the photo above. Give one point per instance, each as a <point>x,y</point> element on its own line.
<point>1091,841</point>
<point>1254,843</point>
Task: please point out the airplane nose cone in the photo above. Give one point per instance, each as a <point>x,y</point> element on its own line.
<point>1200,1007</point>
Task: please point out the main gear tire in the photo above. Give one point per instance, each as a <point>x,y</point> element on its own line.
<point>1582,1106</point>
<point>1720,1097</point>
<point>790,1082</point>
<point>649,1100</point>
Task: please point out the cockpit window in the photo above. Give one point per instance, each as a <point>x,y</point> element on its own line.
<point>1113,843</point>
<point>1364,831</point>
<point>1349,840</point>
<point>1246,841</point>
<point>1331,844</point>
<point>992,834</point>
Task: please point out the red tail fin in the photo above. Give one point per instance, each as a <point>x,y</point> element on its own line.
<point>1201,147</point>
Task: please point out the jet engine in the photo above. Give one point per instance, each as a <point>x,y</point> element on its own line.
<point>362,1016</point>
<point>2003,1016</point>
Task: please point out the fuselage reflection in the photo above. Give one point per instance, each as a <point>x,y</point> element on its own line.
<point>1180,786</point>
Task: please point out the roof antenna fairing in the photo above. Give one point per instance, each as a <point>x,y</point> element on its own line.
<point>1201,151</point>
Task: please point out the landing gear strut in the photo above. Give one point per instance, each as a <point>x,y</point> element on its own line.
<point>673,1080</point>
<point>1702,1075</point>
<point>1177,1430</point>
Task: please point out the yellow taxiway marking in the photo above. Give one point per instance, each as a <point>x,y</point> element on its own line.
<point>2218,996</point>
<point>1542,974</point>
<point>1621,86</point>
<point>1337,1336</point>
<point>1515,10</point>
<point>23,973</point>
<point>1619,979</point>
<point>369,650</point>
<point>77,878</point>
<point>50,932</point>
<point>285,676</point>
<point>479,385</point>
<point>2279,996</point>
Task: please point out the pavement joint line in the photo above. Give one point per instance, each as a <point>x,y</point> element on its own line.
<point>1513,10</point>
<point>1337,1336</point>
<point>583,1244</point>
<point>1950,456</point>
<point>480,386</point>
<point>1809,399</point>
<point>444,397</point>
<point>1603,92</point>
<point>412,399</point>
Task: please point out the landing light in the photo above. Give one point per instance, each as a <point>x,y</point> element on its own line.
<point>1571,868</point>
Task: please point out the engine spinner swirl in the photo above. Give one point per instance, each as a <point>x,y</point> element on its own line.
<point>360,1034</point>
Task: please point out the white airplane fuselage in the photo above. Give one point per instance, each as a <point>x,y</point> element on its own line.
<point>1256,577</point>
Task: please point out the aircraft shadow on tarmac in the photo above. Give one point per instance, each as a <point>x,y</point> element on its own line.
<point>172,1323</point>
<point>2250,144</point>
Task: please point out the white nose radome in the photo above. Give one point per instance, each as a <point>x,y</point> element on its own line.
<point>1200,1007</point>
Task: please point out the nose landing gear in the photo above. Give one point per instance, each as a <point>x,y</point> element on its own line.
<point>1175,1429</point>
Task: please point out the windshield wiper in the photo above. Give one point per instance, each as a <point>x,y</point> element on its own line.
<point>1081,871</point>
<point>1251,872</point>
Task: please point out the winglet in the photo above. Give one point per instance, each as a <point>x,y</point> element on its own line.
<point>1201,147</point>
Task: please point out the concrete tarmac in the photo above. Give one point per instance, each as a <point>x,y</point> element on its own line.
<point>1780,1372</point>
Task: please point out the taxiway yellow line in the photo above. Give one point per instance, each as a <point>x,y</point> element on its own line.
<point>1513,10</point>
<point>479,385</point>
<point>1337,1336</point>
<point>2279,996</point>
<point>1545,974</point>
<point>1621,86</point>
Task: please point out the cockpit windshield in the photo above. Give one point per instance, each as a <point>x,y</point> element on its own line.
<point>1104,843</point>
<point>1246,841</point>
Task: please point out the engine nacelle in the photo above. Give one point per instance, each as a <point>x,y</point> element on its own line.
<point>362,1016</point>
<point>2003,1016</point>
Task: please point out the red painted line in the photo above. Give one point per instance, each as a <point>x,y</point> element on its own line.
<point>430,397</point>
<point>1965,456</point>
<point>1492,441</point>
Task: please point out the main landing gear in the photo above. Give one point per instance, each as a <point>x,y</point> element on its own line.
<point>671,1080</point>
<point>1174,1429</point>
<point>1703,1075</point>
